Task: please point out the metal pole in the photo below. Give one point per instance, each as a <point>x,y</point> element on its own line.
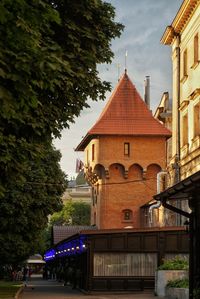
<point>191,259</point>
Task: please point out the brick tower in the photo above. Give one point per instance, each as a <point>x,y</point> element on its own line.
<point>124,151</point>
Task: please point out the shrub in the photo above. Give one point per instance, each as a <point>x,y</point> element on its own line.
<point>176,263</point>
<point>196,293</point>
<point>178,283</point>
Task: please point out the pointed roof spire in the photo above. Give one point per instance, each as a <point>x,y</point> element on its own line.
<point>125,114</point>
<point>126,55</point>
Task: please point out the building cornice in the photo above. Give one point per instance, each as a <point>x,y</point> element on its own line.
<point>180,21</point>
<point>168,36</point>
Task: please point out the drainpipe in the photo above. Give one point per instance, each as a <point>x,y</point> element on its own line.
<point>147,91</point>
<point>178,105</point>
<point>178,144</point>
<point>154,206</point>
<point>157,205</point>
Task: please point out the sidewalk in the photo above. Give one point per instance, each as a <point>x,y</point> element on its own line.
<point>43,289</point>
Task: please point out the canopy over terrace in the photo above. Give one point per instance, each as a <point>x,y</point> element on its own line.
<point>188,189</point>
<point>73,245</point>
<point>117,259</point>
<point>36,264</point>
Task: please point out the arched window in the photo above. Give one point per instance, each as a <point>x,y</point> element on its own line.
<point>127,215</point>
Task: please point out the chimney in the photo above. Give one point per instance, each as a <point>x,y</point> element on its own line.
<point>147,91</point>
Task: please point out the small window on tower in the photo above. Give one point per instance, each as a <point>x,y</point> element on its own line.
<point>127,215</point>
<point>126,149</point>
<point>93,152</point>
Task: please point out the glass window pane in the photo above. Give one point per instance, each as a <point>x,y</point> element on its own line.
<point>125,264</point>
<point>126,148</point>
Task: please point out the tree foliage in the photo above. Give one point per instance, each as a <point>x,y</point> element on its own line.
<point>73,213</point>
<point>48,61</point>
<point>28,201</point>
<point>49,53</point>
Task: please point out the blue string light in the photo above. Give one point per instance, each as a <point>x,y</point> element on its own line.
<point>73,247</point>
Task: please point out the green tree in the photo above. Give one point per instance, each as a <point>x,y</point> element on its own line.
<point>28,201</point>
<point>48,59</point>
<point>73,213</point>
<point>48,69</point>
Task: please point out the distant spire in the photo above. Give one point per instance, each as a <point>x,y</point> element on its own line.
<point>126,54</point>
<point>147,91</point>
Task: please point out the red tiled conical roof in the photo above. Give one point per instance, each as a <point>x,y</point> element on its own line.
<point>125,114</point>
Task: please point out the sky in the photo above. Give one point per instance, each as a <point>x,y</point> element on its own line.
<point>145,22</point>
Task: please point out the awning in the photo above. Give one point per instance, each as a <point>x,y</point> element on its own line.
<point>180,191</point>
<point>34,261</point>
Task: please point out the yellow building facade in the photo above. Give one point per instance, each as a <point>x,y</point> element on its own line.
<point>182,197</point>
<point>183,35</point>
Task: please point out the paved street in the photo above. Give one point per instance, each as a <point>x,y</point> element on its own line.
<point>42,289</point>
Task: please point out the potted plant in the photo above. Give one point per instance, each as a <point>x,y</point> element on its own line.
<point>178,289</point>
<point>171,269</point>
<point>196,293</point>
